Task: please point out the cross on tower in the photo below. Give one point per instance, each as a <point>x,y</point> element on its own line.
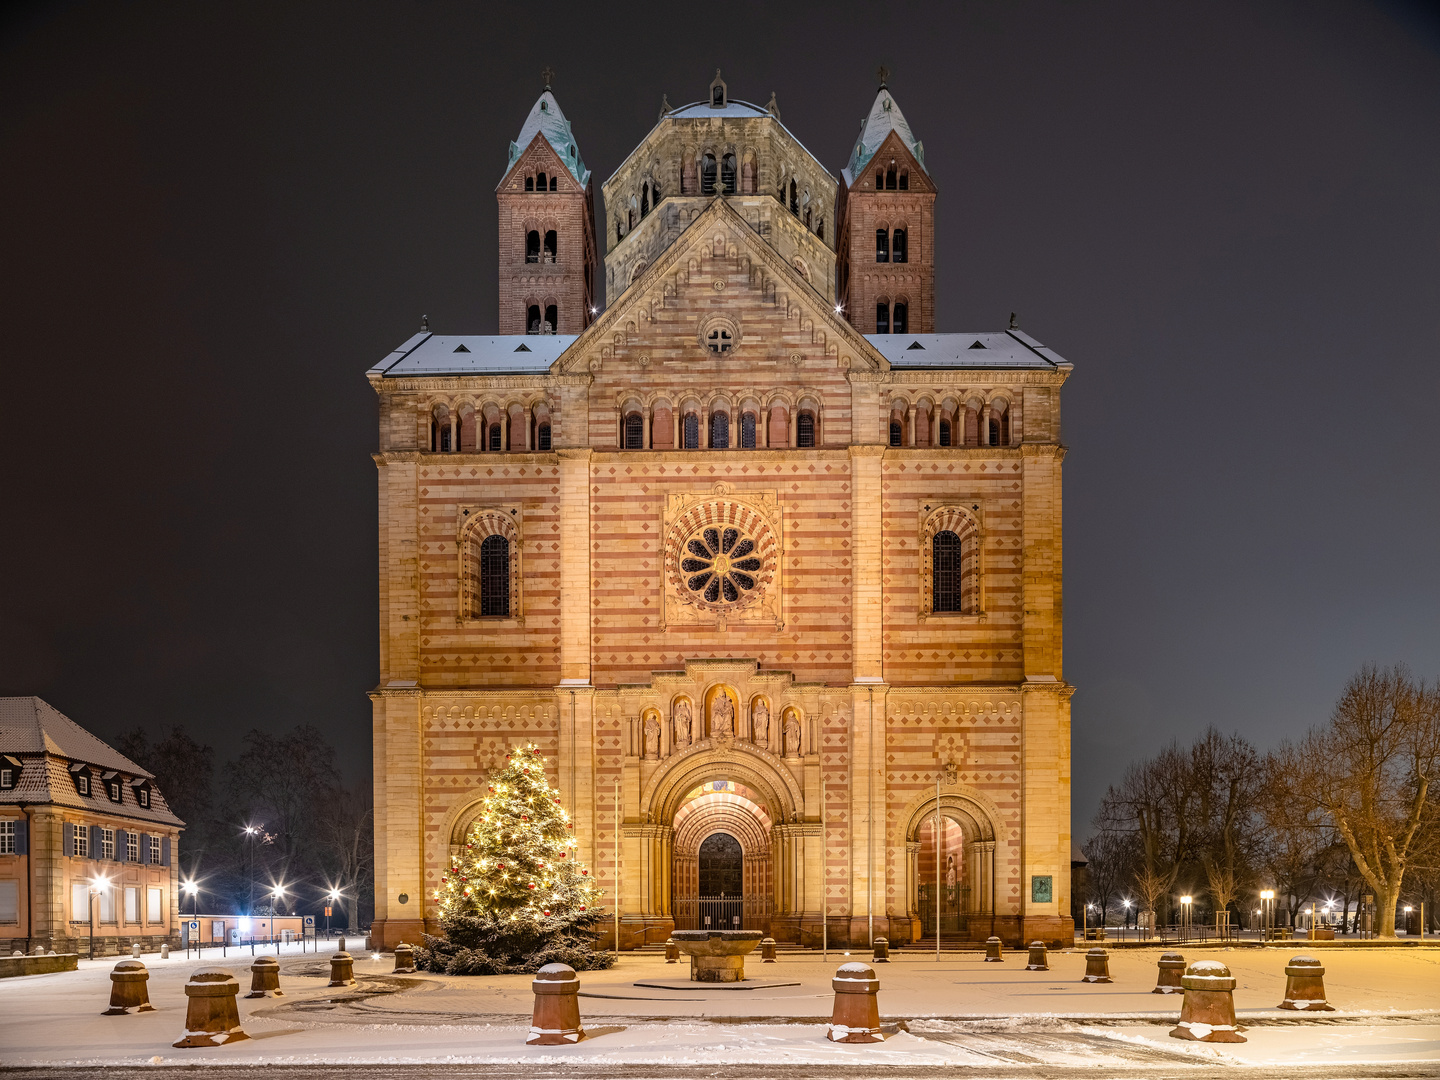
<point>548,75</point>
<point>884,74</point>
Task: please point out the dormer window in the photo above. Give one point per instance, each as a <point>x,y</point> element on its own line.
<point>113,790</point>
<point>142,793</point>
<point>81,775</point>
<point>10,768</point>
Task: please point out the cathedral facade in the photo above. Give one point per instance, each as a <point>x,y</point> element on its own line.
<point>768,569</point>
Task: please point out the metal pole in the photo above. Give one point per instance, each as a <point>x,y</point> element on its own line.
<point>617,865</point>
<point>937,864</point>
<point>824,873</point>
<point>870,826</point>
<point>92,923</point>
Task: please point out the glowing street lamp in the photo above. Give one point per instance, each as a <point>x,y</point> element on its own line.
<point>330,898</point>
<point>276,894</point>
<point>98,884</point>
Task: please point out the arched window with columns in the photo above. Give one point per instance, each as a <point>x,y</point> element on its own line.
<point>490,578</point>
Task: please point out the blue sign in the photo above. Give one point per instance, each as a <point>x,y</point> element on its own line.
<point>310,922</point>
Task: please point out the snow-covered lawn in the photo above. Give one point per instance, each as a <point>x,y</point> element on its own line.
<point>1386,1001</point>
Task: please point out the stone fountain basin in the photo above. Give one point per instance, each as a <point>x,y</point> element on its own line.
<point>717,942</point>
<point>717,956</point>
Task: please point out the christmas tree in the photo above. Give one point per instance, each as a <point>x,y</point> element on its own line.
<point>515,899</point>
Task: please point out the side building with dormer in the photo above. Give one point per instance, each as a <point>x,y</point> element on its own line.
<point>85,838</point>
<point>768,567</point>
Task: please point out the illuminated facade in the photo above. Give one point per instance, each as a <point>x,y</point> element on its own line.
<point>754,576</point>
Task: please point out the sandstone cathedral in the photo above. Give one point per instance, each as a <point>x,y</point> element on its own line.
<point>768,568</point>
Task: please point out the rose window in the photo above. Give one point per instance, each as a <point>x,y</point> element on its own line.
<point>720,565</point>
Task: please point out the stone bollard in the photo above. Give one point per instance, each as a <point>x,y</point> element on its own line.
<point>404,959</point>
<point>165,950</point>
<point>1172,967</point>
<point>135,951</point>
<point>1039,958</point>
<point>767,950</point>
<point>1305,985</point>
<point>369,945</point>
<point>994,950</point>
<point>672,951</point>
<point>129,989</point>
<point>265,978</point>
<point>556,1019</point>
<point>1208,1012</point>
<point>882,950</point>
<point>212,1017</point>
<point>856,1016</point>
<point>1097,966</point>
<point>342,969</point>
<point>39,950</point>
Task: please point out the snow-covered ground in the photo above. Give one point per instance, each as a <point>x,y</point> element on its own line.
<point>958,1012</point>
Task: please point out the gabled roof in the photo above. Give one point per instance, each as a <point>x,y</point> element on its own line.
<point>31,726</point>
<point>885,117</point>
<point>546,119</point>
<point>473,354</point>
<point>1011,349</point>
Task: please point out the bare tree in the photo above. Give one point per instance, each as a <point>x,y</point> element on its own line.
<point>1227,777</point>
<point>345,838</point>
<point>1110,864</point>
<point>1371,771</point>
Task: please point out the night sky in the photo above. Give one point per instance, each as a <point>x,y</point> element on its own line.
<point>217,216</point>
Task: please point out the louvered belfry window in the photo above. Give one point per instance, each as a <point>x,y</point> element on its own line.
<point>947,572</point>
<point>495,576</point>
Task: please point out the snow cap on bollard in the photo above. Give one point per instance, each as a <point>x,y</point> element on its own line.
<point>1171,966</point>
<point>404,959</point>
<point>1305,985</point>
<point>265,978</point>
<point>212,1017</point>
<point>1097,966</point>
<point>672,951</point>
<point>1039,958</point>
<point>856,1015</point>
<point>1208,1012</point>
<point>556,1019</point>
<point>129,989</point>
<point>882,950</point>
<point>342,969</point>
<point>994,950</point>
<point>340,945</point>
<point>767,950</point>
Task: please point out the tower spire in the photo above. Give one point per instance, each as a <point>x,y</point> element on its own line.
<point>884,74</point>
<point>548,74</point>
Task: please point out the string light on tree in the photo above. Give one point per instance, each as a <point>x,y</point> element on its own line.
<point>515,890</point>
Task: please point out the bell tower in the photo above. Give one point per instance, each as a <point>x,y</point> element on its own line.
<point>886,223</point>
<point>547,227</point>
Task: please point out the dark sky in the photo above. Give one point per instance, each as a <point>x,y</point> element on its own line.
<point>217,216</point>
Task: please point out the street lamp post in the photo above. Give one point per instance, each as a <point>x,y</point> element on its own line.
<point>190,888</point>
<point>1185,917</point>
<point>1267,903</point>
<point>98,883</point>
<point>333,896</point>
<point>275,896</point>
<point>250,833</point>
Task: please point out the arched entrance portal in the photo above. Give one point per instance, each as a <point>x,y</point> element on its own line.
<point>723,869</point>
<point>952,860</point>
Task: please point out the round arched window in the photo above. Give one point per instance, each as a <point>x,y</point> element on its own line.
<point>720,564</point>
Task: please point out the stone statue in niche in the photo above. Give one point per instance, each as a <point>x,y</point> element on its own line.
<point>792,735</point>
<point>652,737</point>
<point>761,718</point>
<point>682,724</point>
<point>722,717</point>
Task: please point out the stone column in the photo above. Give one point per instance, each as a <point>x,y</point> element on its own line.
<point>649,441</point>
<point>983,432</point>
<point>454,432</point>
<point>791,417</point>
<point>528,417</point>
<point>910,426</point>
<point>935,425</point>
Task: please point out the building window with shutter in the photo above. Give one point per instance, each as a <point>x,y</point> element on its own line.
<point>132,903</point>
<point>80,841</point>
<point>7,837</point>
<point>106,898</point>
<point>132,847</point>
<point>9,901</point>
<point>154,906</point>
<point>107,844</point>
<point>79,902</point>
<point>155,850</point>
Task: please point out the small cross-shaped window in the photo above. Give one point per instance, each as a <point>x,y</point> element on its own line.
<point>719,341</point>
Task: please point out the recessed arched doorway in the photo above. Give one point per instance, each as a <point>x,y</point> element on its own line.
<point>953,870</point>
<point>723,868</point>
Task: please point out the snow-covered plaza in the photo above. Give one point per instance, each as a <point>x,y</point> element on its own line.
<point>959,1012</point>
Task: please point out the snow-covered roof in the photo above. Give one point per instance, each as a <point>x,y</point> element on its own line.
<point>29,725</point>
<point>46,743</point>
<point>546,119</point>
<point>704,108</point>
<point>1009,349</point>
<point>885,117</point>
<point>472,354</point>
